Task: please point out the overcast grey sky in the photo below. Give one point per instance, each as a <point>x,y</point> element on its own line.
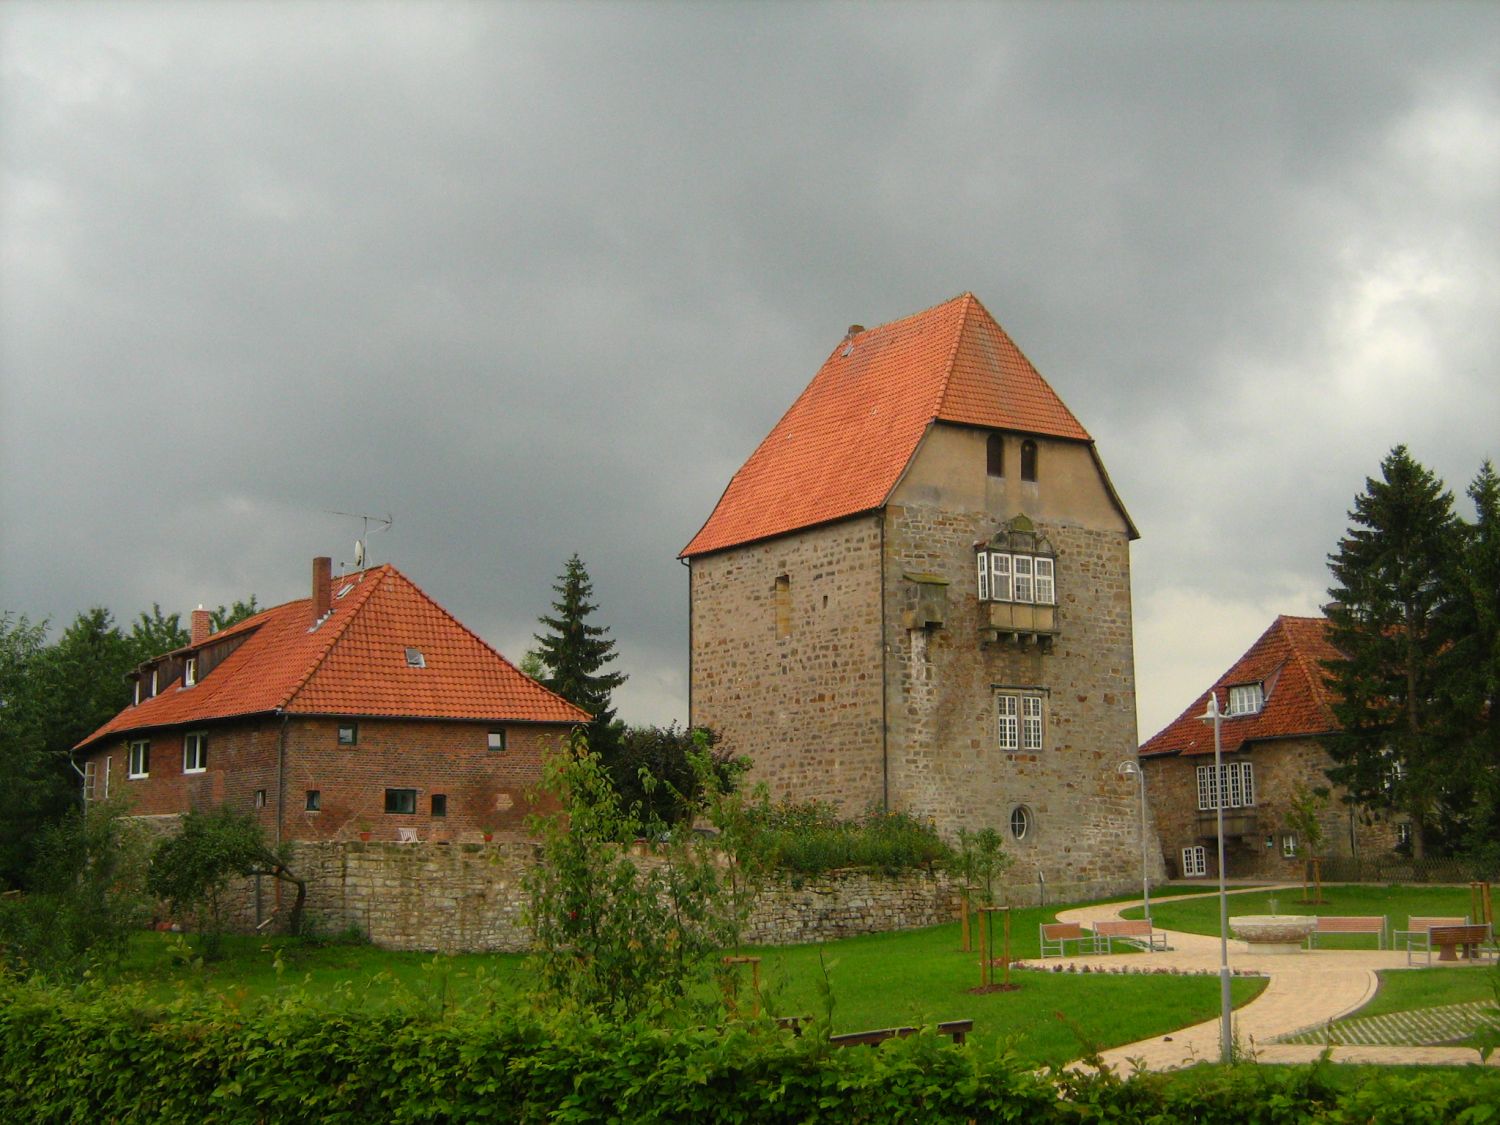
<point>536,278</point>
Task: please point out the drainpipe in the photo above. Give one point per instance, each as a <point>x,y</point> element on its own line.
<point>885,724</point>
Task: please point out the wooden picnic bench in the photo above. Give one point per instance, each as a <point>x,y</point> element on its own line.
<point>1351,924</point>
<point>1450,939</point>
<point>956,1030</point>
<point>1056,935</point>
<point>1135,931</point>
<point>1416,937</point>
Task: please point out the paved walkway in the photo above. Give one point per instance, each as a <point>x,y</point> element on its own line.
<point>1305,991</point>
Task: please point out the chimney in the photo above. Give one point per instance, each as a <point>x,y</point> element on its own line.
<point>322,580</point>
<point>854,330</point>
<point>202,626</point>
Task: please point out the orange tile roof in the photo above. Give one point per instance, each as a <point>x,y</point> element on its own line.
<point>844,443</point>
<point>1287,659</point>
<point>354,663</point>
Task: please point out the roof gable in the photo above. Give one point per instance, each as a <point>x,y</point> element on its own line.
<point>1287,660</point>
<point>865,413</point>
<point>353,663</point>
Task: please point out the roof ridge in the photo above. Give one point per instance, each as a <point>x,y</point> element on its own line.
<point>383,571</point>
<point>946,386</point>
<point>1315,680</point>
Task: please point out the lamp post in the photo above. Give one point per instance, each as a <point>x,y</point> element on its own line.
<point>1226,1037</point>
<point>1126,769</point>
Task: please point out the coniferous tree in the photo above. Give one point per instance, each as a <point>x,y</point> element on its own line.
<point>574,652</point>
<point>1392,577</point>
<point>1469,684</point>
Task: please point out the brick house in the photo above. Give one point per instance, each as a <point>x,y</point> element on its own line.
<point>1276,704</point>
<point>915,595</point>
<point>364,708</point>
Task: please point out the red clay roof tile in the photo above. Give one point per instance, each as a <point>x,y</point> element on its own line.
<point>1287,659</point>
<point>353,663</point>
<point>842,446</point>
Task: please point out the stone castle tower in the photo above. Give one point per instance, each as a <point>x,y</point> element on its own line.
<point>915,595</point>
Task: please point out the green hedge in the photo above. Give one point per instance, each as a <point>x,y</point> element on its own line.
<point>111,1056</point>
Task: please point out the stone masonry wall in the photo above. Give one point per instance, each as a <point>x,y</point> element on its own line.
<point>796,686</point>
<point>454,897</point>
<point>943,682</point>
<point>1278,768</point>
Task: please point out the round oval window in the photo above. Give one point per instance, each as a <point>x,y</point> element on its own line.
<point>1020,822</point>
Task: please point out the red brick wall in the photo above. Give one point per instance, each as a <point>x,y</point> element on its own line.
<point>486,790</point>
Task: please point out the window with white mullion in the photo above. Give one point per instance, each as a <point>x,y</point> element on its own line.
<point>1046,585</point>
<point>1022,566</point>
<point>1247,784</point>
<point>1208,797</point>
<point>1009,733</point>
<point>984,576</point>
<point>1031,722</point>
<point>1000,577</point>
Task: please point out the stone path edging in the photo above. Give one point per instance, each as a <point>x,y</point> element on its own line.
<point>1304,991</point>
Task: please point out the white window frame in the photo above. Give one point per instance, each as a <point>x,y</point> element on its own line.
<point>90,780</point>
<point>1403,832</point>
<point>1008,729</point>
<point>1022,823</point>
<point>195,752</point>
<point>190,671</point>
<point>137,691</point>
<point>1246,699</point>
<point>1194,862</point>
<point>138,761</point>
<point>153,683</point>
<point>1289,845</point>
<point>1238,787</point>
<point>1004,576</point>
<point>1020,721</point>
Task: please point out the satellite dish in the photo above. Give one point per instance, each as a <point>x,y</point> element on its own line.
<point>359,554</point>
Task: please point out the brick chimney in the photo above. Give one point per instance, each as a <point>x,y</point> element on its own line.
<point>322,579</point>
<point>202,626</point>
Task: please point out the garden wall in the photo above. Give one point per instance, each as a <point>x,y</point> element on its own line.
<point>470,897</point>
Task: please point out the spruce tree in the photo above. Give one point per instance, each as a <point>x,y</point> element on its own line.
<point>1392,585</point>
<point>573,652</point>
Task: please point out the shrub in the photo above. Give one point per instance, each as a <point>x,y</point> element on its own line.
<point>810,838</point>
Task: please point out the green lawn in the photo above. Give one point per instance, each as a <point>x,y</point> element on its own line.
<point>1397,904</point>
<point>880,980</point>
<point>1409,990</point>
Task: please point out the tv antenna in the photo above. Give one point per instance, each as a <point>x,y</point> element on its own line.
<point>384,524</point>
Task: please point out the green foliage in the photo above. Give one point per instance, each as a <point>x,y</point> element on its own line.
<point>616,935</point>
<point>1407,617</point>
<point>156,633</point>
<point>980,859</point>
<point>51,697</point>
<point>574,652</point>
<point>659,770</point>
<point>70,1056</point>
<point>192,869</point>
<point>809,838</point>
<point>86,897</point>
<point>225,616</point>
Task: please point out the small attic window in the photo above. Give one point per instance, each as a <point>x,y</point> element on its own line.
<point>994,456</point>
<point>415,659</point>
<point>344,591</point>
<point>1028,460</point>
<point>1247,699</point>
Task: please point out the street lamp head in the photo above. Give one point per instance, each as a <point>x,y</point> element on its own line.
<point>1127,768</point>
<point>1213,712</point>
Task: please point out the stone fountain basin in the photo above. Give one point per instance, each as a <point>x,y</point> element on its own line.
<point>1273,933</point>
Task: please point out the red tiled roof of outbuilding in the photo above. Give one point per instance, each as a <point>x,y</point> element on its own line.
<point>1287,660</point>
<point>353,663</point>
<point>842,446</point>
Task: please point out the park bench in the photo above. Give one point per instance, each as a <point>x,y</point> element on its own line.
<point>1415,937</point>
<point>1056,935</point>
<point>1135,931</point>
<point>956,1030</point>
<point>1450,939</point>
<point>1354,924</point>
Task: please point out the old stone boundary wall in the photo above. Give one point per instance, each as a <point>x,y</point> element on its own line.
<point>456,897</point>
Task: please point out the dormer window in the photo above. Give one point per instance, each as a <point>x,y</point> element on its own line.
<point>1246,699</point>
<point>415,659</point>
<point>137,689</point>
<point>153,683</point>
<point>190,671</point>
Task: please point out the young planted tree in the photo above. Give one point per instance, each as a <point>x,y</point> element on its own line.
<point>193,869</point>
<point>574,654</point>
<point>1304,817</point>
<point>1391,583</point>
<point>613,934</point>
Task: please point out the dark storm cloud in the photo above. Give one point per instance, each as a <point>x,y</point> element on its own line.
<point>536,279</point>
